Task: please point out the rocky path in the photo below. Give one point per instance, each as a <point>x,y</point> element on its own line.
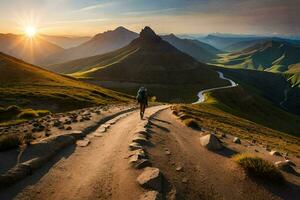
<point>155,158</point>
<point>99,170</point>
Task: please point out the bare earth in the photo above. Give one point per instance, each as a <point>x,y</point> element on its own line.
<point>101,170</point>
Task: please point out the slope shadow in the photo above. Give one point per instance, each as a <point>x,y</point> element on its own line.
<point>12,191</point>
<point>287,191</point>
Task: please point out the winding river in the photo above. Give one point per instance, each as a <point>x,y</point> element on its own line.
<point>201,94</point>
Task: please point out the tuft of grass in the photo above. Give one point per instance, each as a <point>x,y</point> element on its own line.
<point>258,167</point>
<point>28,114</point>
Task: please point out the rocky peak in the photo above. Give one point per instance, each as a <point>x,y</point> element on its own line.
<point>148,34</point>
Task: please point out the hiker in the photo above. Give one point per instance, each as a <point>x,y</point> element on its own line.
<point>142,99</point>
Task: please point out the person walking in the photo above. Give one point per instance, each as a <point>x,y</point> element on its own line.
<point>142,98</point>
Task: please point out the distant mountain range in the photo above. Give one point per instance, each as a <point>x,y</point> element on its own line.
<point>237,43</point>
<point>99,44</point>
<point>30,50</point>
<point>146,60</point>
<point>66,42</point>
<point>199,50</point>
<point>30,86</point>
<point>268,55</point>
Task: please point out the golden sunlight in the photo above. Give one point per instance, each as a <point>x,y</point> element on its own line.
<point>30,31</point>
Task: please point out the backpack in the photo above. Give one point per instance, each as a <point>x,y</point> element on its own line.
<point>141,95</point>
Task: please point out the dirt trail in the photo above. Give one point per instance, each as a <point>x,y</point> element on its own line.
<point>101,170</point>
<point>98,171</point>
<point>208,175</point>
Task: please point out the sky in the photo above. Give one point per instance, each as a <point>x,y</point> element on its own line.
<point>89,17</point>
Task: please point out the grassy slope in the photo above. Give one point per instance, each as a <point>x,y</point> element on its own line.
<point>271,56</point>
<point>30,50</point>
<point>30,86</point>
<point>236,111</point>
<point>268,85</point>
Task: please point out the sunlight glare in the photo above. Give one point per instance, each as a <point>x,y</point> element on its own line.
<point>30,31</point>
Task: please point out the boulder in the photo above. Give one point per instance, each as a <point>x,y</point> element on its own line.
<point>83,143</point>
<point>141,139</point>
<point>236,140</point>
<point>284,166</point>
<point>151,178</point>
<point>140,153</point>
<point>275,153</point>
<point>139,163</point>
<point>211,142</point>
<point>151,195</point>
<point>135,146</point>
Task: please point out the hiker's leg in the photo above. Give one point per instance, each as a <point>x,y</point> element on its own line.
<point>141,110</point>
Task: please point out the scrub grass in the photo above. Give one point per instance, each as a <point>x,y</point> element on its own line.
<point>258,167</point>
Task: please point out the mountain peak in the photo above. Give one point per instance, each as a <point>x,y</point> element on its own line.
<point>149,35</point>
<point>121,28</point>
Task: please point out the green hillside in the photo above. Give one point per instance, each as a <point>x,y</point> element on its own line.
<point>170,74</point>
<point>29,86</point>
<point>239,112</point>
<point>272,86</point>
<point>271,56</point>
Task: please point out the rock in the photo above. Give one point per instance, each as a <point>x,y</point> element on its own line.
<point>284,166</point>
<point>69,128</point>
<point>83,143</point>
<point>56,123</point>
<point>167,152</point>
<point>101,129</point>
<point>179,168</point>
<point>184,180</point>
<point>151,178</point>
<point>96,134</point>
<point>135,146</point>
<point>151,195</point>
<point>236,140</point>
<point>275,153</point>
<point>140,153</point>
<point>138,163</point>
<point>141,139</point>
<point>211,142</point>
<point>223,135</point>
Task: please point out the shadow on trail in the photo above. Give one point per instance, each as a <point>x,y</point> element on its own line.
<point>226,152</point>
<point>159,127</point>
<point>160,120</point>
<point>12,191</point>
<point>286,191</point>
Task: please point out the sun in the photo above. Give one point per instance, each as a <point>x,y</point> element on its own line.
<point>30,31</point>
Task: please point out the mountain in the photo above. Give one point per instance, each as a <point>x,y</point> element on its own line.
<point>269,56</point>
<point>99,44</point>
<point>66,41</point>
<point>30,86</point>
<point>201,51</point>
<point>30,50</point>
<point>239,46</point>
<point>223,41</point>
<point>148,60</point>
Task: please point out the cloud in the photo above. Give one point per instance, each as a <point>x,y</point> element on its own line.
<point>79,21</point>
<point>149,12</point>
<point>96,6</point>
